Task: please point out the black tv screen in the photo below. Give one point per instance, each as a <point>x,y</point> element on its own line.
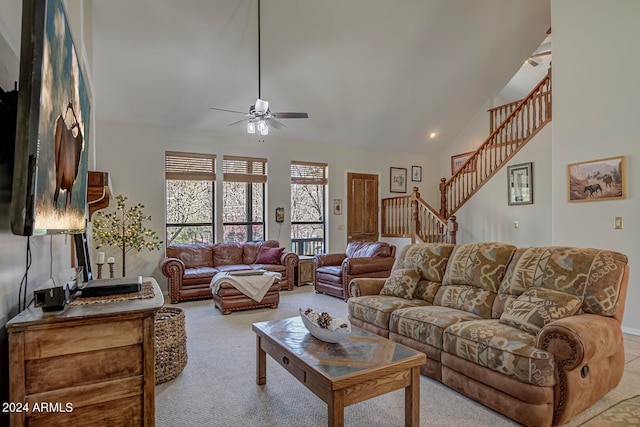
<point>52,132</point>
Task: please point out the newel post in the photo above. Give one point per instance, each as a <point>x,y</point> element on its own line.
<point>443,198</point>
<point>452,229</point>
<point>413,226</point>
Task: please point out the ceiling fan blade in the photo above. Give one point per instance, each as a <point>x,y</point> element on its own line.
<point>228,111</point>
<point>276,124</point>
<point>290,115</point>
<point>239,122</point>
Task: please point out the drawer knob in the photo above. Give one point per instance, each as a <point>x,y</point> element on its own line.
<point>285,360</point>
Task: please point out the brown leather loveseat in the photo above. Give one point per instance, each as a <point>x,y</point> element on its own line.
<point>333,272</point>
<point>190,267</point>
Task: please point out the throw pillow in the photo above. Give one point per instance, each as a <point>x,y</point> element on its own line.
<point>268,255</point>
<point>537,307</point>
<point>401,283</point>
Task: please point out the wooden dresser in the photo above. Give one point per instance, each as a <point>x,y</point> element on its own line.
<point>85,365</point>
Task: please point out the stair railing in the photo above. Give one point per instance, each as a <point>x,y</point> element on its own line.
<point>410,216</point>
<point>528,117</point>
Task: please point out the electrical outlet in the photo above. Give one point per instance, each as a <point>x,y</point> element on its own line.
<point>516,224</point>
<point>617,223</point>
<point>341,227</point>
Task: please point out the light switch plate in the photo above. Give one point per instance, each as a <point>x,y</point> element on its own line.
<point>617,223</point>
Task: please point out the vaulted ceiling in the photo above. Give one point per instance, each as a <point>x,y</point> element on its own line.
<point>371,73</point>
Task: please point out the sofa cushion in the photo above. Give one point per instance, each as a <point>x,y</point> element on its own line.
<point>433,260</point>
<point>473,275</point>
<point>532,310</point>
<point>426,290</point>
<point>192,255</point>
<point>501,348</point>
<point>401,283</point>
<point>426,324</point>
<point>199,275</point>
<point>250,250</point>
<point>368,249</point>
<point>227,254</point>
<point>268,255</point>
<point>376,309</point>
<point>593,275</point>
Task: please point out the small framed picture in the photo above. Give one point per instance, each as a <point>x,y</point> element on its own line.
<point>397,180</point>
<point>337,206</point>
<point>597,180</point>
<point>416,173</point>
<point>520,184</point>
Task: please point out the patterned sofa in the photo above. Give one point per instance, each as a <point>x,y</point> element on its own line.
<point>533,333</point>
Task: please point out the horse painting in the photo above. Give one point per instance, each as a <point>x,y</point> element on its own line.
<point>593,188</point>
<point>68,148</point>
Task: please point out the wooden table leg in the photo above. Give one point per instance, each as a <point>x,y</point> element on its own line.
<point>261,363</point>
<point>335,415</point>
<point>412,400</point>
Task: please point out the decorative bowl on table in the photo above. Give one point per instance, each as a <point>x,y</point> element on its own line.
<point>324,327</point>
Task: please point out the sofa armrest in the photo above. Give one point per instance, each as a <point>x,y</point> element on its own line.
<point>290,262</point>
<point>359,266</point>
<point>173,268</point>
<point>328,259</point>
<point>588,352</point>
<point>365,286</point>
<point>582,339</point>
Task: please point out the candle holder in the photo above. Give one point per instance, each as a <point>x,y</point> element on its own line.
<point>100,270</point>
<point>111,261</point>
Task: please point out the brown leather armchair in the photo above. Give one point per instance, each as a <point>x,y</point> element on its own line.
<point>333,272</point>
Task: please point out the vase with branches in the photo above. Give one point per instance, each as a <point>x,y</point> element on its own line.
<point>124,229</point>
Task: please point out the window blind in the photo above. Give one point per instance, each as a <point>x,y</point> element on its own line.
<point>244,169</point>
<point>190,166</point>
<point>308,173</point>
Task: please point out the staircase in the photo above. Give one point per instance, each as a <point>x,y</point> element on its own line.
<point>410,216</point>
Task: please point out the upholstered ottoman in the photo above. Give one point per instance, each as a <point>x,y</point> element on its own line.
<point>228,298</point>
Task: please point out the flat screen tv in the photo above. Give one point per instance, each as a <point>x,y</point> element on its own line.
<point>49,188</point>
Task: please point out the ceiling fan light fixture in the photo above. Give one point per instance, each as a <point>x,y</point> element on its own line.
<point>263,127</point>
<point>251,127</point>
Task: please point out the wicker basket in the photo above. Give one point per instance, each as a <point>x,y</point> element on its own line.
<point>171,343</point>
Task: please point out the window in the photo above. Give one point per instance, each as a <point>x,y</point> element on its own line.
<point>243,198</point>
<point>308,187</point>
<point>189,197</point>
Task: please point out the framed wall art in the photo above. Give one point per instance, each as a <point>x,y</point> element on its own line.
<point>602,179</point>
<point>520,184</point>
<point>458,160</point>
<point>416,173</point>
<point>397,180</point>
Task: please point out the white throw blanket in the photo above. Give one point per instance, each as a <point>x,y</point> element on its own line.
<point>253,286</point>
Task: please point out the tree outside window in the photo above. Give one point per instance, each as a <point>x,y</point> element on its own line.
<point>308,207</point>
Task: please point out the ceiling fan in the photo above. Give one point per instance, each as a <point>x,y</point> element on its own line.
<point>260,117</point>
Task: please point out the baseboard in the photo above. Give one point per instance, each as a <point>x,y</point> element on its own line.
<point>631,331</point>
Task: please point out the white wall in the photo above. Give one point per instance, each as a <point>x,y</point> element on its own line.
<point>595,115</point>
<point>134,157</point>
<point>487,215</point>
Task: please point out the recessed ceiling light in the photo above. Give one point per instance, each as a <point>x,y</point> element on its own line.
<point>433,135</point>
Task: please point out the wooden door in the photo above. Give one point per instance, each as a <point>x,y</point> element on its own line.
<point>362,207</point>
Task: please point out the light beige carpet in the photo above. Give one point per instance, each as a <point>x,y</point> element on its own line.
<point>218,388</point>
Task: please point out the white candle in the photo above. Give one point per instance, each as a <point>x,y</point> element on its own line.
<point>100,258</point>
<point>111,260</point>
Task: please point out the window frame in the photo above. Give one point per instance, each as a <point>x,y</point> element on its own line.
<point>307,177</point>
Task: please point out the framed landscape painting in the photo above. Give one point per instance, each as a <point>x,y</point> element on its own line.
<point>458,160</point>
<point>595,180</point>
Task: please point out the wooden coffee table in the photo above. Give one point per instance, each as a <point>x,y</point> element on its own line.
<point>362,366</point>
